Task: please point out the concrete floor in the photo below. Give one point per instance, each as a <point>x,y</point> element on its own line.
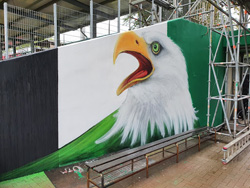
<point>202,169</point>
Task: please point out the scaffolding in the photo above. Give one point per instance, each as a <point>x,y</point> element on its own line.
<point>231,99</point>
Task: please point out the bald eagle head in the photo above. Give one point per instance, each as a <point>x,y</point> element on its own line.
<point>158,98</point>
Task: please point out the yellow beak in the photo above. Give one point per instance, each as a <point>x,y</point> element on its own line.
<point>136,46</point>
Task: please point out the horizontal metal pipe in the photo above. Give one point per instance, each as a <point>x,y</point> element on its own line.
<point>201,13</point>
<point>220,133</point>
<point>242,131</point>
<point>224,12</point>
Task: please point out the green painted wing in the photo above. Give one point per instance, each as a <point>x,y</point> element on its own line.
<point>83,148</point>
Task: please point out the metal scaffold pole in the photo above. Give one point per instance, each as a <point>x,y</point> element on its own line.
<point>55,25</point>
<point>5,5</point>
<point>91,19</point>
<point>209,69</point>
<point>118,16</point>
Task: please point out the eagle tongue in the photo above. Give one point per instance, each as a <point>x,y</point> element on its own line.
<point>137,74</point>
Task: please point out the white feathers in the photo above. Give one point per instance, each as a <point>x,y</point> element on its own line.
<point>162,101</point>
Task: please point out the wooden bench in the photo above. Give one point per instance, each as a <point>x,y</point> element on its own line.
<point>113,161</point>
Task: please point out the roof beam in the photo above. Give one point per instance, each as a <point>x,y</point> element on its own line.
<point>85,8</point>
<point>46,5</point>
<point>76,3</point>
<point>26,14</point>
<point>162,3</point>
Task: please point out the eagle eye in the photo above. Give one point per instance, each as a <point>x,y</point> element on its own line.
<point>156,47</point>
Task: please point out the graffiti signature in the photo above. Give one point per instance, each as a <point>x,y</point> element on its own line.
<point>76,169</point>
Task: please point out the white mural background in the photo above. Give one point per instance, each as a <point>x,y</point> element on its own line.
<point>88,81</point>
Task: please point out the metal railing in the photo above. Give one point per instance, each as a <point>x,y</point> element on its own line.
<point>72,25</point>
<point>108,23</point>
<point>2,42</point>
<point>26,31</point>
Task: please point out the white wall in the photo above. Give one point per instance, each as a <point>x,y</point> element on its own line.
<point>88,80</point>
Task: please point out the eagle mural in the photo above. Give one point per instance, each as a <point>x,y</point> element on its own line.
<point>158,99</point>
<point>157,103</point>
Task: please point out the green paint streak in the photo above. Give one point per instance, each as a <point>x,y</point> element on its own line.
<point>28,181</point>
<point>176,182</point>
<point>82,148</point>
<point>79,175</point>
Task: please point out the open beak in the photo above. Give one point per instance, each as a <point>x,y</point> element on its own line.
<point>136,46</point>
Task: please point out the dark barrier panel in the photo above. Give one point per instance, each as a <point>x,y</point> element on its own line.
<point>28,109</point>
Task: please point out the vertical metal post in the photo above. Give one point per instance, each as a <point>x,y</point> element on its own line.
<point>215,136</point>
<point>203,15</point>
<point>160,14</point>
<point>236,57</point>
<point>177,152</point>
<point>1,53</point>
<point>246,20</point>
<point>91,19</point>
<point>132,165</point>
<point>102,180</point>
<point>55,25</point>
<point>88,173</point>
<point>14,47</point>
<point>163,151</point>
<point>231,26</point>
<point>210,62</point>
<point>227,108</point>
<point>146,166</point>
<point>152,13</point>
<point>245,37</point>
<point>175,5</point>
<point>109,28</point>
<point>32,47</point>
<point>199,143</point>
<point>140,16</point>
<point>119,15</point>
<point>5,6</point>
<point>129,12</point>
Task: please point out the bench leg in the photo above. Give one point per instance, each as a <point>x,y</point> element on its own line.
<point>163,152</point>
<point>146,166</point>
<point>88,178</point>
<point>132,165</point>
<point>199,143</point>
<point>214,135</point>
<point>102,180</point>
<point>186,143</point>
<point>177,152</point>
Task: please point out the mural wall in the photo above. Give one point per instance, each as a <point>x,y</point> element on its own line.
<point>139,74</point>
<point>126,90</point>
